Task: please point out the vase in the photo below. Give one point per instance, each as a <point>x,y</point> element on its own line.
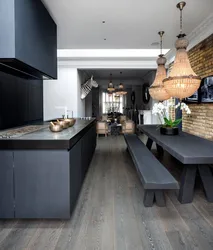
<point>169,130</point>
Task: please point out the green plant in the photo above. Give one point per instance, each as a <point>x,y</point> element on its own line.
<point>170,123</point>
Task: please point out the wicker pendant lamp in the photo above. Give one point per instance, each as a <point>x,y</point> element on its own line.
<point>157,90</point>
<point>182,81</point>
<point>121,90</point>
<point>111,86</point>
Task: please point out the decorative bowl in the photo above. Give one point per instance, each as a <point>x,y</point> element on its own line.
<point>55,127</point>
<point>71,121</point>
<point>65,124</point>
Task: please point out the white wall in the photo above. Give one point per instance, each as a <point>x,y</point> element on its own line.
<point>61,92</point>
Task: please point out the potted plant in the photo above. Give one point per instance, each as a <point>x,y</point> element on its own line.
<point>169,126</point>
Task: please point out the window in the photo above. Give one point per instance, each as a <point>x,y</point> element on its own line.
<point>112,103</point>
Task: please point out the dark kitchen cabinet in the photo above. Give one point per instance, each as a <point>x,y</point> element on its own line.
<point>6,185</point>
<point>44,183</point>
<point>75,173</point>
<point>28,43</point>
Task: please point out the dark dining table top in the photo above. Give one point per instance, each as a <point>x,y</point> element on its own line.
<point>187,148</point>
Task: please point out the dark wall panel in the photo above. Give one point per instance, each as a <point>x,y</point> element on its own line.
<point>21,101</point>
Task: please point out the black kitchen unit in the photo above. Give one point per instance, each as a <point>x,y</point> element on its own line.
<point>42,172</point>
<point>28,40</point>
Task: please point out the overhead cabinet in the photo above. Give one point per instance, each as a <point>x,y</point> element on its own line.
<point>28,40</point>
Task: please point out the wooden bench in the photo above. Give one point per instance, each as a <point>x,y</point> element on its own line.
<point>154,177</point>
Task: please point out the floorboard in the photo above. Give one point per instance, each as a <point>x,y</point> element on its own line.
<point>110,214</point>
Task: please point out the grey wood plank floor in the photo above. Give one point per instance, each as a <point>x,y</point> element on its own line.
<point>110,214</point>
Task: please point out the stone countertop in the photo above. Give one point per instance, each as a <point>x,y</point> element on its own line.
<point>45,139</point>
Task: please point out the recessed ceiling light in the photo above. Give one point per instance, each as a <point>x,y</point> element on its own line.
<point>104,39</point>
<point>155,44</point>
<point>103,21</point>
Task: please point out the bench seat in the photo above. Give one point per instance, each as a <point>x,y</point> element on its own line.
<point>153,175</point>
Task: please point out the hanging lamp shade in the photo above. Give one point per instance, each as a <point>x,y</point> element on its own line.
<point>157,90</point>
<point>111,86</point>
<point>121,90</point>
<point>182,81</point>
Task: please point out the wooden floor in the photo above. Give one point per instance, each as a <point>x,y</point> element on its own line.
<point>110,213</point>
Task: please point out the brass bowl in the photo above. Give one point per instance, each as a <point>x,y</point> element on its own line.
<point>56,127</point>
<point>65,124</point>
<point>71,121</point>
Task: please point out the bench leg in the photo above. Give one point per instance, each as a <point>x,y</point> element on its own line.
<point>149,196</point>
<point>187,184</point>
<point>207,180</point>
<point>149,143</point>
<point>160,198</point>
<point>160,150</point>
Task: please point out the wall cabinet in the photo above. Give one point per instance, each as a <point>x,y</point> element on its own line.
<point>28,39</point>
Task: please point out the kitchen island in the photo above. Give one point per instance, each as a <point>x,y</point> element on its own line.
<point>42,172</point>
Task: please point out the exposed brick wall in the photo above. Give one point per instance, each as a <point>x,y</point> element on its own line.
<point>201,120</point>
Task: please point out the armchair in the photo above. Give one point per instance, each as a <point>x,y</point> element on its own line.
<point>102,128</point>
<point>104,118</point>
<point>128,127</point>
<point>122,119</point>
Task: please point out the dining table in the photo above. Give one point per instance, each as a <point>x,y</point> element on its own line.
<point>195,153</point>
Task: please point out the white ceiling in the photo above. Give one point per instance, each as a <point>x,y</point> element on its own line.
<point>130,24</point>
<point>127,74</point>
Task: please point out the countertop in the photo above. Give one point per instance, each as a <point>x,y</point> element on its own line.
<point>45,139</point>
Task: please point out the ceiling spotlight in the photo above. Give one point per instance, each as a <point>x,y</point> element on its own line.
<point>104,39</point>
<point>103,21</point>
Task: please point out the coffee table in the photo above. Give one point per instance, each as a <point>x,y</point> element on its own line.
<point>116,129</point>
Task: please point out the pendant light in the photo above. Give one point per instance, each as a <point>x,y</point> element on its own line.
<point>157,90</point>
<point>182,81</point>
<point>121,90</point>
<point>110,86</point>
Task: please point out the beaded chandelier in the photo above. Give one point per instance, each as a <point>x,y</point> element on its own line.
<point>182,81</point>
<point>111,86</point>
<point>121,90</point>
<point>157,90</point>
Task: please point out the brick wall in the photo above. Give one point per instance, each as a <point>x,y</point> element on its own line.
<point>200,122</point>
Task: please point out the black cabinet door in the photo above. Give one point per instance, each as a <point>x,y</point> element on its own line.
<point>42,184</point>
<point>75,173</point>
<point>6,185</point>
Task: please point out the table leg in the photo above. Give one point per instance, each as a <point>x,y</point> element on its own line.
<point>149,143</point>
<point>160,198</point>
<point>160,150</point>
<point>149,196</point>
<point>207,180</point>
<point>187,184</point>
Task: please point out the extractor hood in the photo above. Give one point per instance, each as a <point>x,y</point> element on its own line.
<point>28,40</point>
